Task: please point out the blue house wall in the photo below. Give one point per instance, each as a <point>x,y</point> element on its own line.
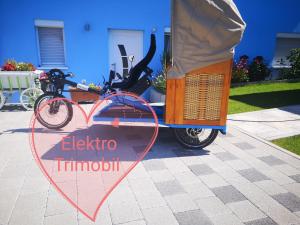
<point>266,18</point>
<point>87,51</point>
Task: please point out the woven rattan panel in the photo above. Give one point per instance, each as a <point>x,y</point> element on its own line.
<point>203,96</point>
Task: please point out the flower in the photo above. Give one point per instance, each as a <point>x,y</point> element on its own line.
<point>9,67</point>
<point>240,72</point>
<point>93,86</point>
<point>12,65</point>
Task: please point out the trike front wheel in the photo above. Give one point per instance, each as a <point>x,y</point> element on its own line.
<point>195,138</point>
<point>53,111</point>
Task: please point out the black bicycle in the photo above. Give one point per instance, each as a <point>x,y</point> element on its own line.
<point>52,109</point>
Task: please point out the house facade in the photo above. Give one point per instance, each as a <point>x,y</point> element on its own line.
<point>91,37</point>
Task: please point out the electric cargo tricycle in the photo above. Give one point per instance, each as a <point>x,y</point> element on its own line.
<point>197,88</point>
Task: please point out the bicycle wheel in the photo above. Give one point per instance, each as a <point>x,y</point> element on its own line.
<point>29,96</point>
<point>195,138</point>
<point>2,99</point>
<point>55,114</point>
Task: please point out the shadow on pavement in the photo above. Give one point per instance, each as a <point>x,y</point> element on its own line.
<point>165,146</point>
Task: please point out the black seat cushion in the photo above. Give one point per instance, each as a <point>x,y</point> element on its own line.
<point>141,86</point>
<point>137,70</point>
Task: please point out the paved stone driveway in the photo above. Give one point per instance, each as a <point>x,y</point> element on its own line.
<point>237,180</point>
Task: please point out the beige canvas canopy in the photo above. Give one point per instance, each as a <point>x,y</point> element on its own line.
<point>204,32</point>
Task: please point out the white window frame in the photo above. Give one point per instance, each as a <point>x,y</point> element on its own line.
<point>167,32</point>
<point>50,24</point>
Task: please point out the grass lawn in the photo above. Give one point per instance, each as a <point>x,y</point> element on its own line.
<point>263,96</point>
<point>290,143</point>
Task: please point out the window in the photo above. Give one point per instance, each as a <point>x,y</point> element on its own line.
<point>50,35</point>
<point>167,46</point>
<point>285,42</point>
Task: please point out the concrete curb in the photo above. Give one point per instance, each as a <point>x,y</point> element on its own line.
<point>268,143</point>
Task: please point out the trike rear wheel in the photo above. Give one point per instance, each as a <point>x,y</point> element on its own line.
<point>195,138</point>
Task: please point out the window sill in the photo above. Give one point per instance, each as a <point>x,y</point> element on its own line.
<point>281,67</point>
<point>53,67</point>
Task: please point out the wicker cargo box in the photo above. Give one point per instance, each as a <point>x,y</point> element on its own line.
<point>200,97</point>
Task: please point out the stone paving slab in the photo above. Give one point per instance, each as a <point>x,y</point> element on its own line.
<point>237,180</point>
<point>268,126</point>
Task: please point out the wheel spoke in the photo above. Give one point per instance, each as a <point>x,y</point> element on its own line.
<point>28,97</point>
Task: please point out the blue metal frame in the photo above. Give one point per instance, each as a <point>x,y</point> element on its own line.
<point>161,123</point>
<point>222,129</point>
<point>158,110</point>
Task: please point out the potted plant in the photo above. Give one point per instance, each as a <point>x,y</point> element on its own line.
<point>78,95</point>
<point>158,92</point>
<point>16,75</point>
<point>13,67</point>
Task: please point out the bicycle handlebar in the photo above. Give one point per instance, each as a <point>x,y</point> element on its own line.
<point>69,75</point>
